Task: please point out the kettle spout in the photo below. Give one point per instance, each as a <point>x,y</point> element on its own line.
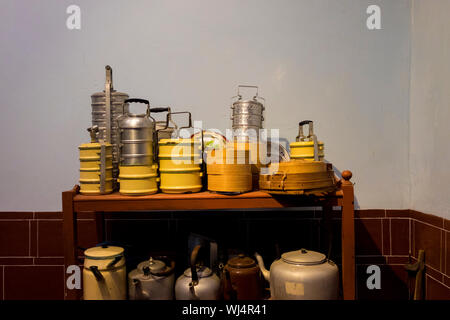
<point>265,272</point>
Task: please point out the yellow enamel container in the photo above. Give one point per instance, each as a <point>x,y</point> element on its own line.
<point>92,186</point>
<point>94,174</point>
<point>305,150</point>
<point>180,165</point>
<point>104,274</point>
<point>91,151</point>
<point>138,180</point>
<point>95,164</point>
<point>90,168</point>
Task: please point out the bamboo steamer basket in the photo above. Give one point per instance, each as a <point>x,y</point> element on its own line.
<point>298,177</point>
<point>180,165</point>
<point>138,180</point>
<point>229,170</point>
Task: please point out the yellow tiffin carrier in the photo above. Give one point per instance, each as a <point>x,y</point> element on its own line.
<point>180,165</point>
<point>304,146</point>
<point>93,164</point>
<point>138,180</point>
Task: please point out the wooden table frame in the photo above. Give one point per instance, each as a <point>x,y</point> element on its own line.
<point>73,202</point>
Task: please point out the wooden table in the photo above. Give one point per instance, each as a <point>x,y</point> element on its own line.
<point>73,202</point>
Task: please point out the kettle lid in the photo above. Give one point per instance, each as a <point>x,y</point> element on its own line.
<point>202,272</point>
<point>304,257</point>
<point>151,265</point>
<point>103,252</point>
<point>241,261</point>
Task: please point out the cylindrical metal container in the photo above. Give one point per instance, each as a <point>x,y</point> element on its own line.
<point>180,165</point>
<point>138,180</point>
<point>242,279</point>
<point>104,274</point>
<point>136,137</point>
<point>153,279</point>
<point>302,275</point>
<point>247,115</point>
<point>109,102</point>
<point>96,175</point>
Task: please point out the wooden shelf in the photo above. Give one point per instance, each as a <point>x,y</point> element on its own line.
<point>73,202</point>
<point>116,202</point>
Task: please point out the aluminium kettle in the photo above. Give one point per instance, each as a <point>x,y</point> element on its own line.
<point>153,279</point>
<point>302,275</point>
<point>197,282</point>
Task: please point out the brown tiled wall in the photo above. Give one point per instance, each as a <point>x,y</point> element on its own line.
<point>31,244</point>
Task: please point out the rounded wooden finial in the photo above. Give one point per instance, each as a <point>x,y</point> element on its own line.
<point>347,175</point>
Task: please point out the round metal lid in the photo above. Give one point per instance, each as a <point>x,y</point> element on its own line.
<point>202,272</point>
<point>241,261</point>
<point>304,257</point>
<point>152,265</point>
<point>103,252</point>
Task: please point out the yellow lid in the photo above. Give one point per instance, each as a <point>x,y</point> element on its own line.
<point>93,145</point>
<point>177,141</point>
<point>305,143</point>
<point>103,252</point>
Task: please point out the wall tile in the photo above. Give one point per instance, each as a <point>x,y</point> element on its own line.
<point>16,261</point>
<point>16,215</point>
<point>33,238</point>
<point>34,282</point>
<point>394,283</point>
<point>428,218</point>
<point>1,283</point>
<point>87,233</point>
<point>428,238</point>
<point>400,237</point>
<point>370,213</point>
<point>397,213</point>
<point>55,215</point>
<point>447,253</point>
<point>436,290</point>
<point>386,237</point>
<point>368,237</point>
<point>14,238</point>
<point>50,239</point>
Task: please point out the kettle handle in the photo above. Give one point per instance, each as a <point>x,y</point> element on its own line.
<point>194,274</point>
<point>98,275</point>
<point>138,100</point>
<point>166,272</point>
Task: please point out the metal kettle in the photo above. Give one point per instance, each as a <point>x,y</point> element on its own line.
<point>302,275</point>
<point>242,279</point>
<point>197,282</point>
<point>153,279</point>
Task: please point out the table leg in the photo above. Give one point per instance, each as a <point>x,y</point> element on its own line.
<point>348,238</point>
<point>70,239</point>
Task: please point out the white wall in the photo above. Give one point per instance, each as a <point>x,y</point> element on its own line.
<point>430,107</point>
<point>313,59</point>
